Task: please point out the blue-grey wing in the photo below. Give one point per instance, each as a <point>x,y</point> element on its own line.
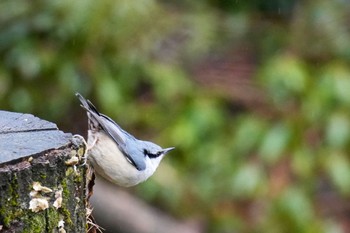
<point>135,154</point>
<point>100,120</point>
<point>126,143</point>
<point>115,132</point>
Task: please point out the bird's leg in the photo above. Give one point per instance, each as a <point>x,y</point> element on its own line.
<point>82,156</point>
<point>85,157</point>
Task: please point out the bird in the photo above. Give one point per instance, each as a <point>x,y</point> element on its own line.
<point>116,154</point>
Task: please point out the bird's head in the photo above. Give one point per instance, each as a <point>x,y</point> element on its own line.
<point>154,152</point>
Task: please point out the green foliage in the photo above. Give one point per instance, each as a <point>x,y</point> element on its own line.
<point>274,143</point>
<point>285,78</point>
<point>247,170</point>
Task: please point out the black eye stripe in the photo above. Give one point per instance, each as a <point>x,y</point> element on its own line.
<point>151,155</point>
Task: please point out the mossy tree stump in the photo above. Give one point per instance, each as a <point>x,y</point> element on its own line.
<point>42,188</point>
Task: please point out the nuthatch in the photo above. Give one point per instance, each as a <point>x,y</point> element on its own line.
<point>117,155</point>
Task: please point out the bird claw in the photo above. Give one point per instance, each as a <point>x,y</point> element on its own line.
<point>85,157</point>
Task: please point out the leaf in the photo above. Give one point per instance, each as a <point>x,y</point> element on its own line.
<point>295,207</point>
<point>285,77</point>
<point>248,134</point>
<point>339,170</point>
<point>274,143</point>
<point>247,180</point>
<point>338,130</point>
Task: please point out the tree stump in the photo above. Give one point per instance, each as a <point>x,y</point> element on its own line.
<point>42,188</point>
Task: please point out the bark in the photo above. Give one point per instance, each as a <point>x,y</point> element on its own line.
<point>42,188</point>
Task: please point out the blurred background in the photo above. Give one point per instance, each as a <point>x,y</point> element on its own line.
<point>254,95</point>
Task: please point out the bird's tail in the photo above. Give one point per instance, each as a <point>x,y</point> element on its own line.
<point>91,112</point>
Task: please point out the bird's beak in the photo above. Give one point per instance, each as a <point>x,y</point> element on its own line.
<point>166,150</point>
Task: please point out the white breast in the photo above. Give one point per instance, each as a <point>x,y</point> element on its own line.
<point>110,163</point>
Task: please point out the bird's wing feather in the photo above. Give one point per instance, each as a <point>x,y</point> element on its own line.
<point>113,130</point>
<point>119,136</point>
<point>106,123</point>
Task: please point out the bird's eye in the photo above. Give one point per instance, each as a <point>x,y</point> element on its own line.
<point>159,153</point>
